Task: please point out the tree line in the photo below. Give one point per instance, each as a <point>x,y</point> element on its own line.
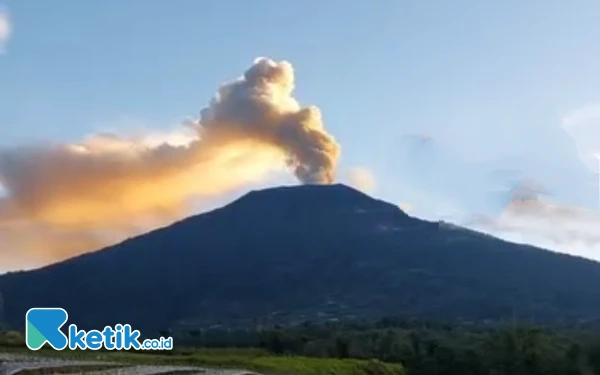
<point>424,348</point>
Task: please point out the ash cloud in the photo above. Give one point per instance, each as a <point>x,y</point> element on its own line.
<point>260,106</point>
<point>66,199</point>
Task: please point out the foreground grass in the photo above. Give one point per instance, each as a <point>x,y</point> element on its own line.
<point>322,366</point>
<point>243,359</point>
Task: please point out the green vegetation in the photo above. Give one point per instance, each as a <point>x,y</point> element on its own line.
<point>322,366</point>
<point>388,347</point>
<point>444,349</point>
<point>253,359</point>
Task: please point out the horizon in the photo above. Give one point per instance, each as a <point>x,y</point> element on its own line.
<point>490,123</point>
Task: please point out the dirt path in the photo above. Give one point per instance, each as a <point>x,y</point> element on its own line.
<point>12,364</point>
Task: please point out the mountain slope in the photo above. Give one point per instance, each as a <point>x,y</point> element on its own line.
<point>296,253</point>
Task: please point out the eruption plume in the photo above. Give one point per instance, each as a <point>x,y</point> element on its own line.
<point>66,199</point>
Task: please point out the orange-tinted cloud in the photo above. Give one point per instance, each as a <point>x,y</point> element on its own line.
<point>66,199</point>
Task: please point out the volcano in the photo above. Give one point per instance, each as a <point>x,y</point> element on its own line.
<point>307,253</point>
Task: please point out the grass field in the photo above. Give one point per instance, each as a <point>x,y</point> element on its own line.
<point>246,359</point>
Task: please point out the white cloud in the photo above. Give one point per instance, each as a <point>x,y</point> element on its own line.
<point>362,179</point>
<point>583,125</point>
<point>406,207</point>
<point>532,217</point>
<point>5,29</point>
<point>562,228</point>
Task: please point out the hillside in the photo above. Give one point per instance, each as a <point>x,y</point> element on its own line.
<point>304,253</point>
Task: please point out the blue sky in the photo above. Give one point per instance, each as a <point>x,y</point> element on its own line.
<point>490,82</point>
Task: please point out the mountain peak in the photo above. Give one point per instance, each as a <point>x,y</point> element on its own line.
<point>326,196</point>
<point>316,190</point>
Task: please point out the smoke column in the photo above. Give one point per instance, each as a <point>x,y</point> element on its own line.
<point>66,199</point>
